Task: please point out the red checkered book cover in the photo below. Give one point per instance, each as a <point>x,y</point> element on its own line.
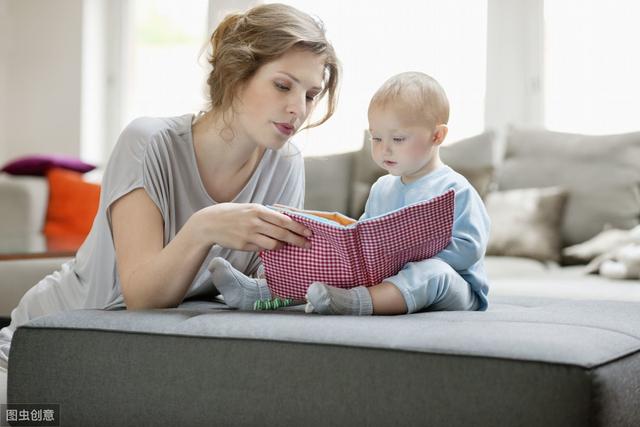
<point>362,253</point>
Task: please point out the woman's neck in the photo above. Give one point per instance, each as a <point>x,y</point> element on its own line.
<point>226,158</point>
<point>223,148</point>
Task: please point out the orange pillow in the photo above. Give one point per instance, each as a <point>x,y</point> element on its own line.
<point>73,204</point>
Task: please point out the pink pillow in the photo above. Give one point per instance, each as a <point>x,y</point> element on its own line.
<point>39,164</point>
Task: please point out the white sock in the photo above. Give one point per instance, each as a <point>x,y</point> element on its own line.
<point>325,299</point>
<point>238,290</point>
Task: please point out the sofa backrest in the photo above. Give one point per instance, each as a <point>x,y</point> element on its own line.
<point>600,173</point>
<point>341,182</point>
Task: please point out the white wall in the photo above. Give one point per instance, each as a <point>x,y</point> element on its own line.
<point>42,67</point>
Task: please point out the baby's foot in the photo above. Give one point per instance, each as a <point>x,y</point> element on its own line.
<point>238,290</point>
<point>325,299</point>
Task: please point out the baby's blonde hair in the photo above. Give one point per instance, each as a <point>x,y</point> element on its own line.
<point>245,41</point>
<point>419,96</point>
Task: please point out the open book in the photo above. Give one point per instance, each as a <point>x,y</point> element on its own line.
<point>347,253</point>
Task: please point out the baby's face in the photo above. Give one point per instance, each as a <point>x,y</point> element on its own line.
<point>403,149</point>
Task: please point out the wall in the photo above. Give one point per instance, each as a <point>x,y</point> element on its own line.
<point>514,63</point>
<point>4,45</point>
<point>42,73</point>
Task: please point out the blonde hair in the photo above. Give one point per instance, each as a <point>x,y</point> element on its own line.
<point>420,97</point>
<point>243,42</point>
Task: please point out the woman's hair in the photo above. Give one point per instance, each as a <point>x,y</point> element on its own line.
<point>243,42</point>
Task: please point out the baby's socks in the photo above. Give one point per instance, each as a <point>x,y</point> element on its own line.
<point>238,290</point>
<point>325,299</point>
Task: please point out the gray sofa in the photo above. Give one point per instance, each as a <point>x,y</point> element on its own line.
<point>525,362</point>
<point>556,347</point>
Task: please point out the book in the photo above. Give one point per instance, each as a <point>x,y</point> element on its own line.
<point>347,253</point>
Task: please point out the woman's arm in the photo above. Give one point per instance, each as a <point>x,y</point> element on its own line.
<point>153,276</point>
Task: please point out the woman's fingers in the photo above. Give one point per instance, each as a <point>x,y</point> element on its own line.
<point>283,228</point>
<point>283,235</point>
<point>262,242</point>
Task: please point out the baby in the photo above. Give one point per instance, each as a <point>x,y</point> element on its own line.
<point>408,118</point>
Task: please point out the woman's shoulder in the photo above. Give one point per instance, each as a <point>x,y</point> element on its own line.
<point>145,128</point>
<point>144,133</point>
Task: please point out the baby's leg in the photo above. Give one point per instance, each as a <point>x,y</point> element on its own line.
<point>433,285</point>
<point>238,290</point>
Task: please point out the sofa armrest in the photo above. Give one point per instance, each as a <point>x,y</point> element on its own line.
<point>23,204</point>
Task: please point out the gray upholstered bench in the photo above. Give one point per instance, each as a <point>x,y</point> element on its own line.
<point>522,363</point>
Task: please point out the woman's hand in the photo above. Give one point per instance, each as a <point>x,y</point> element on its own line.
<point>249,227</point>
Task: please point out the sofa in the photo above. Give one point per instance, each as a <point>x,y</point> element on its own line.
<point>557,347</point>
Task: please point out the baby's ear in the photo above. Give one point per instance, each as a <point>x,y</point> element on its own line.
<point>440,134</point>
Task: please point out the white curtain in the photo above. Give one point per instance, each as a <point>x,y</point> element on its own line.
<point>376,39</point>
<point>592,82</point>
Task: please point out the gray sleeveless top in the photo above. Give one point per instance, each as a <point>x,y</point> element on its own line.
<point>157,154</point>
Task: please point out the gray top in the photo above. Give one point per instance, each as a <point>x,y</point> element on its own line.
<point>157,154</point>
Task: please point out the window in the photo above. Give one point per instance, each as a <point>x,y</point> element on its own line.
<point>446,40</point>
<point>592,66</point>
<point>164,71</point>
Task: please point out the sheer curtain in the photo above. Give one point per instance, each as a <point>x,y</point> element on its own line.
<point>375,40</point>
<point>592,66</point>
<point>164,73</point>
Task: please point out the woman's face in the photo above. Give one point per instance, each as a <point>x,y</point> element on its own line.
<point>279,97</point>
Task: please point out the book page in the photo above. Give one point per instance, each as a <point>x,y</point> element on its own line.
<point>336,217</point>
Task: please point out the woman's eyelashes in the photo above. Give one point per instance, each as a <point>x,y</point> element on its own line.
<point>283,87</point>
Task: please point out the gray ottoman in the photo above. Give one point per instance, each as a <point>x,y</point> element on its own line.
<point>524,362</point>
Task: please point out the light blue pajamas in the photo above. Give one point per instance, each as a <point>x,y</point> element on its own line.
<point>455,278</point>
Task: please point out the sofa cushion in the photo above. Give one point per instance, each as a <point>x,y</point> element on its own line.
<point>579,360</point>
<point>526,222</point>
<point>601,174</point>
<point>508,278</point>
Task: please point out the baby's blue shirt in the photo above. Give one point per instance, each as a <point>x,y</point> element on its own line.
<point>465,252</point>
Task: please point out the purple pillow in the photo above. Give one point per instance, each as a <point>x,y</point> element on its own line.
<point>39,164</point>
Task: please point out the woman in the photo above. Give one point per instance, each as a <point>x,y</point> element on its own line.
<point>179,191</point>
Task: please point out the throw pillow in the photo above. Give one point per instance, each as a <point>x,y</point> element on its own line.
<point>39,164</point>
<point>526,223</point>
<point>73,204</point>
